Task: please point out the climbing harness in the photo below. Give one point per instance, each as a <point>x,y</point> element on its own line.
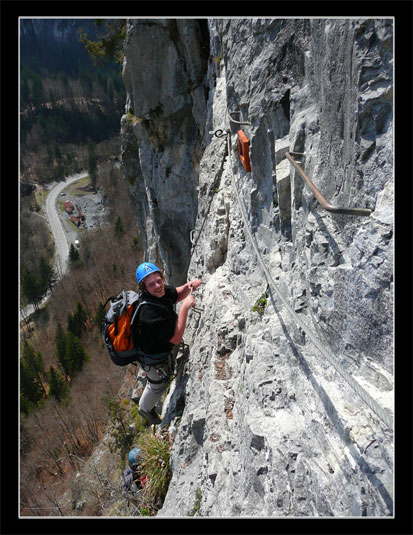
<point>365,396</point>
<point>163,376</point>
<point>172,368</point>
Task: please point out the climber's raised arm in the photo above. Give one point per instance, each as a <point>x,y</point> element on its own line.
<point>183,291</point>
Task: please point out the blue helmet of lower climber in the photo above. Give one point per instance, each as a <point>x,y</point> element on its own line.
<point>144,270</point>
<point>134,457</point>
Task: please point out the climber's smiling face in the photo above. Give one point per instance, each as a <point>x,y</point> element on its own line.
<point>155,285</point>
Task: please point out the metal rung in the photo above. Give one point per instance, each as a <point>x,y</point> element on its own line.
<point>234,121</point>
<point>321,199</point>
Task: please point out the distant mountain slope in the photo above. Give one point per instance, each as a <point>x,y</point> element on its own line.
<point>65,100</point>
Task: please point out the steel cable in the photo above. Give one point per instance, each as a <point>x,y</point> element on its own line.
<point>365,396</point>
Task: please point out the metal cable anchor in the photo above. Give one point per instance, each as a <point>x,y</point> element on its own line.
<point>219,133</point>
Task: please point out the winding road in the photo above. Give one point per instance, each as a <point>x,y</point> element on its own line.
<point>59,235</point>
<point>61,245</point>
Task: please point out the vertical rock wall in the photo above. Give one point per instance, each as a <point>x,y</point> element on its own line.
<point>163,131</point>
<point>266,426</point>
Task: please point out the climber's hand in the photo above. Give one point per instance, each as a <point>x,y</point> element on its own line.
<point>196,283</point>
<point>189,302</point>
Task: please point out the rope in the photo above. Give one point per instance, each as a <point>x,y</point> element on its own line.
<point>365,396</point>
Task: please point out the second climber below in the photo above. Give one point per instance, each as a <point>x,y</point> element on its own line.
<point>160,330</point>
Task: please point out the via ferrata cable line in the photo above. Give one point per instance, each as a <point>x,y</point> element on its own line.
<point>364,395</point>
<point>214,188</point>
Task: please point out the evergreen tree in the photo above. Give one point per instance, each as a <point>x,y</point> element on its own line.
<point>75,352</point>
<point>57,386</point>
<point>31,384</point>
<point>76,321</point>
<point>31,392</point>
<point>59,172</point>
<point>73,253</point>
<point>71,324</point>
<point>81,317</point>
<point>61,352</point>
<point>33,361</point>
<point>47,275</point>
<point>108,47</point>
<point>31,288</point>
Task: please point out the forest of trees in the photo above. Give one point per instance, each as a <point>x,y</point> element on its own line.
<point>36,382</point>
<point>66,99</point>
<point>35,283</point>
<point>42,278</point>
<point>55,124</point>
<point>70,117</point>
<point>70,110</point>
<point>67,380</point>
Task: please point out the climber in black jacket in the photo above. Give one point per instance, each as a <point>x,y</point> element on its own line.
<point>160,329</point>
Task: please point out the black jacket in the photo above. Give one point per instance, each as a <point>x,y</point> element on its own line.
<point>157,324</point>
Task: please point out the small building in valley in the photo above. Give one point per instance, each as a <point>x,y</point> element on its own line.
<point>68,206</point>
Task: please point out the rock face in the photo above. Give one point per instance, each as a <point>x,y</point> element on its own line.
<point>267,426</point>
<point>163,129</point>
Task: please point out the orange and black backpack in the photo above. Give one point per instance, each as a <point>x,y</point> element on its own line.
<point>119,337</point>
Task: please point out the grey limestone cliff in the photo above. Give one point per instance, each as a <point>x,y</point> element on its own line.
<point>163,129</point>
<point>263,424</point>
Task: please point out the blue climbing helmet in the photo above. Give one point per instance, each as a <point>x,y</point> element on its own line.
<point>144,270</point>
<point>134,457</point>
